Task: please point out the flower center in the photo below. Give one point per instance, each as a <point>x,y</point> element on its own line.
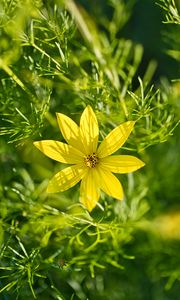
<point>91,160</point>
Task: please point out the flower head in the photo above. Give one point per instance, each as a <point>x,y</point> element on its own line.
<point>91,164</point>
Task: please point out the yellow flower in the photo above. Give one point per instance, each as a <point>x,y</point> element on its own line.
<point>92,164</point>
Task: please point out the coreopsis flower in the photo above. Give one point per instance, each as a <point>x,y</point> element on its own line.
<point>92,164</point>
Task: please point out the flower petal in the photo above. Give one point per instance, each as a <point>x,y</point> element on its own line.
<point>89,190</point>
<point>60,151</point>
<point>66,178</point>
<point>89,130</point>
<point>110,184</point>
<point>121,163</point>
<point>115,139</point>
<point>70,131</point>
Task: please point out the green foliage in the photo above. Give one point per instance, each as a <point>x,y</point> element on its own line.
<point>55,56</point>
<point>172,15</point>
<point>171,9</point>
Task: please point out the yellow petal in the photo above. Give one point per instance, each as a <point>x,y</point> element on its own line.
<point>66,178</point>
<point>110,184</point>
<point>115,139</point>
<point>60,151</point>
<point>121,163</point>
<point>89,130</point>
<point>89,190</point>
<point>70,131</point>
